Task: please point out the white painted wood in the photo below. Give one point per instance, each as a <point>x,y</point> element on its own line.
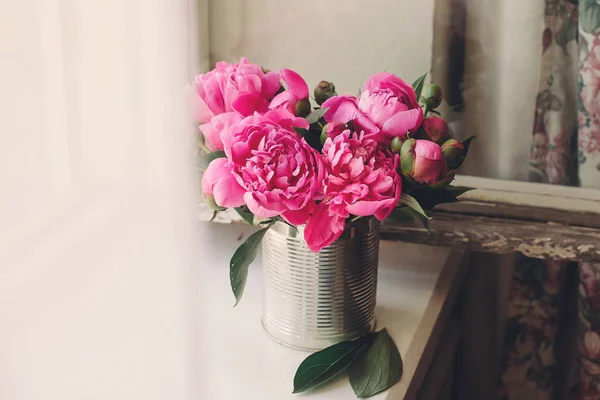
<point>243,363</point>
<point>530,194</point>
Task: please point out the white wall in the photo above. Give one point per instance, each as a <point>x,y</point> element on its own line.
<point>344,41</point>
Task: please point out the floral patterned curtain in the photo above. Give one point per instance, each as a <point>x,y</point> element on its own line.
<point>565,150</point>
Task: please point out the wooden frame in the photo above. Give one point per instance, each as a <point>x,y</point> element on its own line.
<point>538,220</point>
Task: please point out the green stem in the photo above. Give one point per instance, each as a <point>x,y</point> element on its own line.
<point>426,111</point>
<point>206,149</point>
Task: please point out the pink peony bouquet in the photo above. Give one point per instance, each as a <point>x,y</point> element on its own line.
<point>272,152</point>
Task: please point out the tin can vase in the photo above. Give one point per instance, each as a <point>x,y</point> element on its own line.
<point>314,300</point>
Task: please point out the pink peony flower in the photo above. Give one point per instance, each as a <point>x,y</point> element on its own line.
<point>297,90</point>
<point>219,183</point>
<point>423,161</point>
<point>290,100</point>
<point>217,90</point>
<point>217,126</point>
<point>360,179</point>
<point>391,104</point>
<point>279,172</point>
<point>344,109</point>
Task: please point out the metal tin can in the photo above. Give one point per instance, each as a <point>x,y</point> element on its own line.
<point>314,300</point>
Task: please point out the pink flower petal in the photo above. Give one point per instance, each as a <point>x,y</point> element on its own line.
<point>219,182</point>
<point>249,84</point>
<point>271,84</point>
<point>284,101</point>
<point>402,122</point>
<point>258,209</point>
<point>429,150</point>
<point>249,103</point>
<point>299,217</point>
<point>201,111</point>
<point>230,93</point>
<point>367,208</point>
<point>375,80</point>
<point>323,229</point>
<point>341,109</point>
<point>295,83</point>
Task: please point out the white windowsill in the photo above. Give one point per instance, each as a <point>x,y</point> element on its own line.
<point>240,362</point>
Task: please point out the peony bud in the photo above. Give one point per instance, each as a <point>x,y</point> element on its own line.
<point>302,108</point>
<point>435,129</point>
<point>323,91</point>
<point>396,145</point>
<point>422,161</point>
<point>454,153</point>
<point>431,96</point>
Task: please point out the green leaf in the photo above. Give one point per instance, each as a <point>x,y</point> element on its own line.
<point>467,143</point>
<point>246,215</point>
<point>407,200</point>
<point>428,198</point>
<point>459,190</point>
<point>418,85</point>
<point>406,215</point>
<point>326,364</point>
<point>213,216</point>
<point>377,367</point>
<point>300,131</point>
<point>207,158</point>
<point>241,260</point>
<point>314,116</point>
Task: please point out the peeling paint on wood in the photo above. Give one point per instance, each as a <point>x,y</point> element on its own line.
<point>497,235</point>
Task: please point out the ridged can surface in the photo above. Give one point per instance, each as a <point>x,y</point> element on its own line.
<point>314,300</point>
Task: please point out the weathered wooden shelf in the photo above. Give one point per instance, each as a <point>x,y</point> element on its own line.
<point>538,220</point>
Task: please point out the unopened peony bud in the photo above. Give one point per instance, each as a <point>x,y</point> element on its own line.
<point>396,145</point>
<point>435,129</point>
<point>454,153</point>
<point>431,96</point>
<point>323,91</point>
<point>422,161</point>
<point>302,108</point>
